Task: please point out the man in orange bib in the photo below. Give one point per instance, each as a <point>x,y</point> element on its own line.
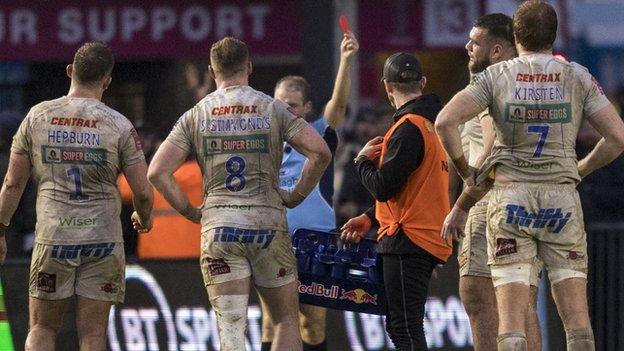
<point>407,173</point>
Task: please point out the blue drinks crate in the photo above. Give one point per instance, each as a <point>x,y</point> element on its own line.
<point>342,276</point>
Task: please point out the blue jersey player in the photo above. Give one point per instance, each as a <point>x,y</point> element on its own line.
<point>316,211</point>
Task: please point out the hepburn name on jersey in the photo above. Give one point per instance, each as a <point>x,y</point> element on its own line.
<point>71,137</point>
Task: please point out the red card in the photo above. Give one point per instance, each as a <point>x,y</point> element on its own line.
<point>344,24</point>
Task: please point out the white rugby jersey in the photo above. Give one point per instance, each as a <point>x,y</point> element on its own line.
<point>238,134</point>
<point>77,147</point>
<point>537,103</point>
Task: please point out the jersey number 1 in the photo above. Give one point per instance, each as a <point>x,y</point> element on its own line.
<point>78,195</point>
<point>542,130</point>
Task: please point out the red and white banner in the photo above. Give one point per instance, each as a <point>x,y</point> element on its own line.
<point>135,29</point>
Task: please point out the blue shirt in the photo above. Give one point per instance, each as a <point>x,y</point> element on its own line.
<point>315,212</point>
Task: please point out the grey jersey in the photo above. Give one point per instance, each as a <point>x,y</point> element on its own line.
<point>537,103</point>
<point>237,134</point>
<point>474,138</point>
<point>77,147</point>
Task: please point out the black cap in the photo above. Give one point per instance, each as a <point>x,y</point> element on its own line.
<point>401,68</point>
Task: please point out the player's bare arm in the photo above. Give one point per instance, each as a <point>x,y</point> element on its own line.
<point>610,126</point>
<point>335,110</point>
<point>455,221</point>
<point>459,110</point>
<point>310,144</point>
<point>12,188</point>
<point>142,195</point>
<point>166,161</point>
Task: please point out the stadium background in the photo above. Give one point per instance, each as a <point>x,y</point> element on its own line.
<point>161,49</point>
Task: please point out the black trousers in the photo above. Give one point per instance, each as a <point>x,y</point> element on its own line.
<point>406,280</point>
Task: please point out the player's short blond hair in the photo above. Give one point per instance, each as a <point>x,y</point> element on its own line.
<point>229,56</point>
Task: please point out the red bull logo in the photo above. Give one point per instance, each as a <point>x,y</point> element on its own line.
<point>317,289</point>
<point>358,296</point>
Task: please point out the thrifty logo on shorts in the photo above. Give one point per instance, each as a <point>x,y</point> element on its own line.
<point>86,250</point>
<point>73,155</point>
<point>552,113</point>
<point>245,236</point>
<point>240,144</point>
<point>553,219</point>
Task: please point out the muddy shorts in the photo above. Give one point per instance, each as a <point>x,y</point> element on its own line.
<point>232,253</point>
<point>537,220</point>
<point>95,271</point>
<point>472,255</point>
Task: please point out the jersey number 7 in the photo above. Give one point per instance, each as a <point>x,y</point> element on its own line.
<point>542,130</point>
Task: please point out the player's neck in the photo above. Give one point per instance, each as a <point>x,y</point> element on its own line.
<point>231,82</point>
<point>523,52</point>
<point>78,91</point>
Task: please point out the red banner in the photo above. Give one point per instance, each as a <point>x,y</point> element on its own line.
<point>135,29</point>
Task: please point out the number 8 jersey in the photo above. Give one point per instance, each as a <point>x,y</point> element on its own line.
<point>237,134</point>
<point>77,148</point>
<point>537,102</point>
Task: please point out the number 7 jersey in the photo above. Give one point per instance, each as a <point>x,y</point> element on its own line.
<point>537,102</point>
<point>77,148</point>
<point>237,134</point>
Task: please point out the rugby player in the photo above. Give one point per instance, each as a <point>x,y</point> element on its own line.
<point>76,146</point>
<point>537,103</point>
<point>491,41</point>
<point>238,135</point>
<point>316,212</point>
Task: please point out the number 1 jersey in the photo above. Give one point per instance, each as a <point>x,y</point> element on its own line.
<point>237,134</point>
<point>77,148</point>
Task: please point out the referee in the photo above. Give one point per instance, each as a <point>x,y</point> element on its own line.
<point>407,173</point>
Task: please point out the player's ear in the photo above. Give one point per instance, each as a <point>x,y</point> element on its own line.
<point>211,72</point>
<point>69,70</point>
<point>107,82</point>
<point>307,107</point>
<point>496,52</point>
<point>388,87</point>
<point>423,83</point>
<point>249,68</point>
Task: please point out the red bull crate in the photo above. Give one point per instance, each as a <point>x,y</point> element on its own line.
<point>341,276</point>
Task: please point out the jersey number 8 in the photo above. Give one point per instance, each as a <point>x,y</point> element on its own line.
<point>235,181</point>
